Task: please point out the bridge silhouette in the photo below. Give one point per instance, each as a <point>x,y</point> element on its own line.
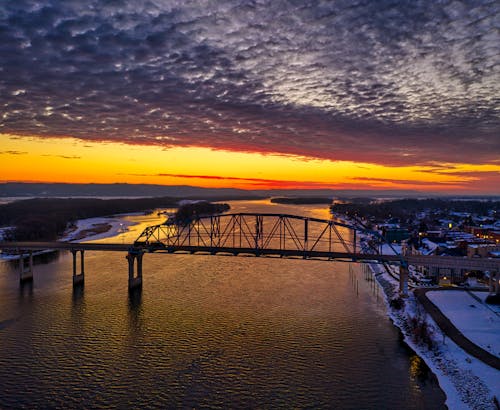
<point>257,234</point>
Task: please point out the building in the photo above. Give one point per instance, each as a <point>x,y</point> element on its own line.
<point>482,250</point>
<point>392,235</point>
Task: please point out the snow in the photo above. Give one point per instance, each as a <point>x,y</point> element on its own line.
<point>483,296</point>
<point>475,320</point>
<point>429,245</point>
<point>118,225</point>
<point>467,382</point>
<point>4,230</point>
<point>11,257</point>
<point>387,250</point>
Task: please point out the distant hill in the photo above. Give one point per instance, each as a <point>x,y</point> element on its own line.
<point>343,193</point>
<point>121,190</point>
<point>49,190</point>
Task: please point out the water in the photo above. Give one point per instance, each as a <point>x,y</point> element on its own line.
<point>206,331</point>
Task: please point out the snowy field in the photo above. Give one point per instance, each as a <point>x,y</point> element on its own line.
<point>483,296</point>
<point>475,320</point>
<point>86,226</point>
<point>90,229</point>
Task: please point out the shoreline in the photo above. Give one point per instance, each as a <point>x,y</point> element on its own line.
<point>92,229</point>
<point>466,382</point>
<point>456,372</point>
<point>89,229</point>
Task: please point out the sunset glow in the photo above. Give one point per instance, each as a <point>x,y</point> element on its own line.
<point>371,95</point>
<point>71,160</point>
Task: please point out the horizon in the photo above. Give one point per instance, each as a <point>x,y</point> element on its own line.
<point>14,189</point>
<point>183,94</point>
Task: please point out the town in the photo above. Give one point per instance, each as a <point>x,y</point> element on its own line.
<point>462,228</point>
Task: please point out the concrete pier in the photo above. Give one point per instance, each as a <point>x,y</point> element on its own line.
<point>26,272</point>
<point>134,258</point>
<point>494,283</point>
<point>78,278</point>
<point>403,281</point>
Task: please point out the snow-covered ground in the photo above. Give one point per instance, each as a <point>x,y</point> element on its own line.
<point>8,257</point>
<point>387,249</point>
<point>475,320</point>
<point>85,227</point>
<point>4,230</point>
<point>483,296</point>
<point>90,229</point>
<point>467,382</point>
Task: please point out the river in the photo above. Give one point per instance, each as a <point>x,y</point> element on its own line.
<point>205,332</point>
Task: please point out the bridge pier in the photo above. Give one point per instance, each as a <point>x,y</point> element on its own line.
<point>134,258</point>
<point>26,272</point>
<point>78,278</point>
<point>403,281</point>
<point>494,283</point>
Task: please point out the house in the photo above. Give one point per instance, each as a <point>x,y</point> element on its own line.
<point>392,235</point>
<point>481,250</point>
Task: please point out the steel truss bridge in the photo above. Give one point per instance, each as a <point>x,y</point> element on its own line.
<point>263,234</point>
<point>283,235</point>
<point>258,234</point>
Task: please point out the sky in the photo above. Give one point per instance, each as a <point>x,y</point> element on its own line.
<point>339,94</point>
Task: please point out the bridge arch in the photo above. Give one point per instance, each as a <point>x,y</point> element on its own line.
<point>257,233</point>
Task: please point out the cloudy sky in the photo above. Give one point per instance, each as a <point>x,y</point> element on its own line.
<point>385,85</point>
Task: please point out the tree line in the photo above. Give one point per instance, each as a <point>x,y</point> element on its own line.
<point>48,218</point>
<point>405,208</point>
<point>188,212</point>
<point>45,219</point>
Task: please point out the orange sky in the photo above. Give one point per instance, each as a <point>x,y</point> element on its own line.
<point>33,159</point>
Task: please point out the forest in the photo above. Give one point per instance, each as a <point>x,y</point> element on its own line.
<point>47,218</point>
<point>44,219</point>
<point>188,212</point>
<point>406,208</point>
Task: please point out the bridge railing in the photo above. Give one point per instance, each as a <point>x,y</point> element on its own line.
<point>254,231</point>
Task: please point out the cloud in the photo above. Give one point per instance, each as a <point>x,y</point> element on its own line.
<point>254,182</point>
<point>11,152</point>
<point>407,82</point>
<point>473,179</point>
<point>472,174</point>
<point>62,156</point>
<point>407,181</point>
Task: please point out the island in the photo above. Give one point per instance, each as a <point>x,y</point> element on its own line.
<point>45,219</point>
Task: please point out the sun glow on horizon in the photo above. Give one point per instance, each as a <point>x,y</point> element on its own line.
<point>36,159</point>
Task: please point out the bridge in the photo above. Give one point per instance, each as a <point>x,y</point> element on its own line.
<point>261,235</point>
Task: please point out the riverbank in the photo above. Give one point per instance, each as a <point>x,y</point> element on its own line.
<point>92,229</point>
<point>45,219</point>
<point>467,382</point>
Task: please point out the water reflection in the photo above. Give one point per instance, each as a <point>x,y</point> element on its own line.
<point>205,331</point>
<point>418,369</point>
<point>134,300</point>
<point>26,290</point>
<point>48,257</point>
<point>78,294</point>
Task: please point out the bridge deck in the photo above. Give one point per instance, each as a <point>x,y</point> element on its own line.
<point>419,260</point>
<point>87,246</point>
